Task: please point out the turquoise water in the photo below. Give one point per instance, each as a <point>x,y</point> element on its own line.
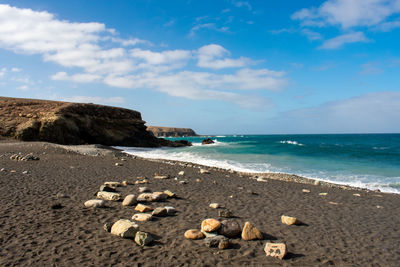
<point>364,160</point>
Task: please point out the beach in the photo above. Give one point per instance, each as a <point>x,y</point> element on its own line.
<point>44,222</point>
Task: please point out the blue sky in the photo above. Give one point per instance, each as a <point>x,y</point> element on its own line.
<point>219,67</point>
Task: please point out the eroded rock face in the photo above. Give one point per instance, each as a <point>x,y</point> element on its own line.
<point>75,124</point>
<point>170,131</point>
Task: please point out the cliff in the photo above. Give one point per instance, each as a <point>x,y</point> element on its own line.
<point>74,124</point>
<point>170,132</point>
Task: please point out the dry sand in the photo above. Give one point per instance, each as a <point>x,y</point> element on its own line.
<point>339,229</point>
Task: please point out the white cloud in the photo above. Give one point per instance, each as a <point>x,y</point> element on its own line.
<point>79,78</point>
<point>129,42</point>
<point>347,38</point>
<point>23,88</point>
<point>372,112</point>
<point>16,69</point>
<point>211,56</point>
<point>3,72</point>
<point>370,68</point>
<point>311,35</point>
<point>242,4</point>
<point>210,26</point>
<point>160,58</point>
<point>348,13</point>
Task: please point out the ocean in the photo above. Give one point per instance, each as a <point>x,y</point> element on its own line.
<point>364,160</point>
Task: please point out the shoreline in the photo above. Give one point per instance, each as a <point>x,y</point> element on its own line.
<point>340,227</point>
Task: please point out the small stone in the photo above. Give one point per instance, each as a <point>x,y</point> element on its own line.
<point>333,203</point>
<point>210,225</point>
<point>124,228</point>
<point>112,184</point>
<point>160,212</point>
<point>2,169</point>
<point>225,213</point>
<point>306,191</point>
<point>142,217</point>
<point>129,200</point>
<point>214,205</point>
<point>223,244</point>
<point>25,172</point>
<point>214,241</point>
<point>181,173</point>
<point>107,188</point>
<point>143,238</point>
<point>124,183</point>
<point>250,232</point>
<point>95,203</point>
<point>109,196</point>
<point>123,159</point>
<point>323,194</point>
<point>143,208</point>
<point>379,207</point>
<point>276,250</point>
<point>145,181</point>
<point>170,210</point>
<point>13,171</point>
<point>107,226</point>
<point>288,220</point>
<point>182,182</point>
<point>204,171</point>
<point>230,228</point>
<point>169,193</point>
<point>194,234</point>
<point>144,189</point>
<point>357,195</point>
<point>161,177</point>
<point>198,180</point>
<point>209,234</point>
<point>118,164</point>
<point>317,182</point>
<point>145,197</point>
<point>159,196</point>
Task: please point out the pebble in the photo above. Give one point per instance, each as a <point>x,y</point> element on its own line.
<point>124,183</point>
<point>193,234</point>
<point>230,228</point>
<point>198,180</point>
<point>182,182</point>
<point>129,200</point>
<point>204,171</point>
<point>142,217</point>
<point>214,241</point>
<point>95,203</point>
<point>250,232</point>
<point>288,220</point>
<point>379,207</point>
<point>161,177</point>
<point>214,205</point>
<point>145,197</point>
<point>143,208</point>
<point>225,213</point>
<point>306,191</point>
<point>118,164</point>
<point>144,189</point>
<point>169,193</point>
<point>357,195</point>
<point>317,183</point>
<point>107,226</point>
<point>25,172</point>
<point>159,196</point>
<point>210,225</point>
<point>3,170</point>
<point>276,250</point>
<point>170,210</point>
<point>109,196</point>
<point>181,173</point>
<point>124,228</point>
<point>323,194</point>
<point>145,181</point>
<point>143,238</point>
<point>333,203</point>
<point>160,212</point>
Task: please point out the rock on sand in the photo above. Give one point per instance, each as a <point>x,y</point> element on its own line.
<point>124,228</point>
<point>250,232</point>
<point>95,203</point>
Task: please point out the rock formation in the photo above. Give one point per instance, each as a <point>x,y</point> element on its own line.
<point>170,132</point>
<point>75,124</point>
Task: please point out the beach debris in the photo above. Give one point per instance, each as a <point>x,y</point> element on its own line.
<point>250,232</point>
<point>143,238</point>
<point>214,205</point>
<point>107,188</point>
<point>143,208</point>
<point>169,193</point>
<point>124,228</point>
<point>193,234</point>
<point>161,176</point>
<point>379,207</point>
<point>209,234</point>
<point>306,191</point>
<point>118,164</point>
<point>160,212</point>
<point>129,200</point>
<point>207,141</point>
<point>144,189</point>
<point>94,203</point>
<point>142,217</point>
<point>323,194</point>
<point>25,172</point>
<point>109,196</point>
<point>181,173</point>
<point>230,228</point>
<point>112,184</point>
<point>107,226</point>
<point>144,181</point>
<point>225,213</point>
<point>289,220</point>
<point>210,225</point>
<point>214,241</point>
<point>204,171</point>
<point>357,195</point>
<point>170,210</point>
<point>276,250</point>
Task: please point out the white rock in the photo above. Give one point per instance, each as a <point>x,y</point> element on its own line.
<point>214,205</point>
<point>142,217</point>
<point>204,171</point>
<point>109,195</point>
<point>170,210</point>
<point>181,173</point>
<point>129,200</point>
<point>95,203</point>
<point>124,228</point>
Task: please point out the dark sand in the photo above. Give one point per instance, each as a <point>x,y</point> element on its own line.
<point>355,232</point>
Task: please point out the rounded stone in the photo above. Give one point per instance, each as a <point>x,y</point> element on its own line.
<point>160,212</point>
<point>214,205</point>
<point>194,234</point>
<point>288,220</point>
<point>230,228</point>
<point>95,203</point>
<point>250,232</point>
<point>210,225</point>
<point>142,217</point>
<point>143,238</point>
<point>129,200</point>
<point>143,208</point>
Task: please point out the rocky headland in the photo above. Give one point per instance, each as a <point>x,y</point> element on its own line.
<point>75,124</point>
<point>170,131</point>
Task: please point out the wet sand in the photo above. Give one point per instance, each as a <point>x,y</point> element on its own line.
<point>338,229</point>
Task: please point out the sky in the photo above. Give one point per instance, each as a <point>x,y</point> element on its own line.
<point>216,66</point>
